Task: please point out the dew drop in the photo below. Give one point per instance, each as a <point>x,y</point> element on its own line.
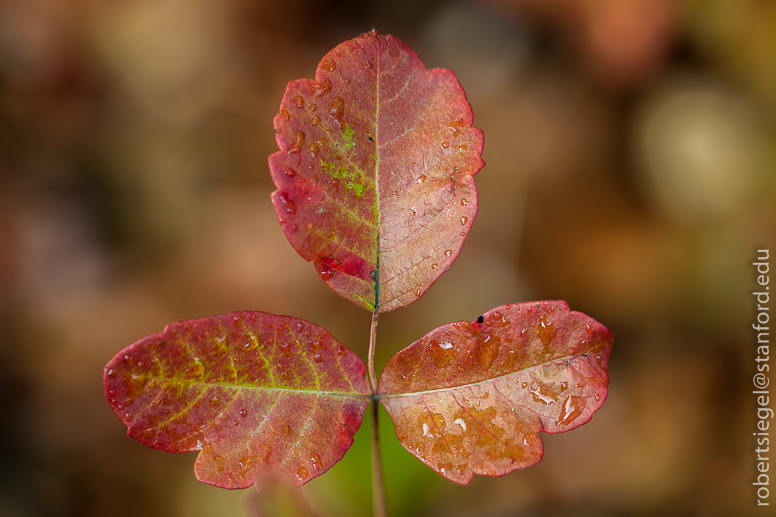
<point>564,386</point>
<point>315,120</point>
<point>455,126</point>
<point>442,353</point>
<point>464,202</point>
<point>329,65</point>
<point>461,422</point>
<point>285,347</point>
<point>571,409</point>
<point>434,266</point>
<point>462,148</point>
<point>512,355</point>
<point>236,422</point>
<point>448,253</point>
<point>243,412</point>
<point>321,88</point>
<point>445,145</point>
<point>464,219</point>
<point>547,330</point>
<point>336,110</point>
<point>128,417</point>
<point>302,474</point>
<point>285,114</point>
<point>421,179</point>
<point>525,385</point>
<point>539,395</point>
<point>111,393</point>
<point>298,143</point>
<point>299,101</point>
<point>414,210</point>
<point>325,272</point>
<point>111,373</point>
<point>597,397</point>
<point>315,459</point>
<point>487,349</point>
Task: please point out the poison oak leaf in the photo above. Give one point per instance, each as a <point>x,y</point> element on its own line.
<point>470,397</point>
<point>253,392</point>
<point>374,173</point>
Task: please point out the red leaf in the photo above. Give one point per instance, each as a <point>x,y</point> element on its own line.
<point>469,398</point>
<point>252,391</point>
<point>375,171</point>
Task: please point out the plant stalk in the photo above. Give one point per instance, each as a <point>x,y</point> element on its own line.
<point>378,488</point>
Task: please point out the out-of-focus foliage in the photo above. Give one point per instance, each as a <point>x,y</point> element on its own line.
<point>134,191</point>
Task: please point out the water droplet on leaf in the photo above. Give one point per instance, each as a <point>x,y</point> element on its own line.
<point>336,110</point>
<point>571,409</point>
<point>297,144</point>
<point>321,88</point>
<point>441,353</point>
<point>547,330</point>
<point>315,459</point>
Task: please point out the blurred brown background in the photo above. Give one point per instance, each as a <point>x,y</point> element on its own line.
<point>630,150</point>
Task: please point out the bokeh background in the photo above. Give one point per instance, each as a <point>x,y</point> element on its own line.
<point>630,150</point>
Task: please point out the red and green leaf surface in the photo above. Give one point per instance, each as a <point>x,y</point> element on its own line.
<point>374,172</point>
<point>375,186</point>
<point>251,391</point>
<point>258,393</point>
<point>469,397</point>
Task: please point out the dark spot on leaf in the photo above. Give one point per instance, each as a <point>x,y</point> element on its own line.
<point>480,319</point>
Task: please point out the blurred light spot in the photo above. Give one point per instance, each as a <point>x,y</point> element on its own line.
<point>700,151</point>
